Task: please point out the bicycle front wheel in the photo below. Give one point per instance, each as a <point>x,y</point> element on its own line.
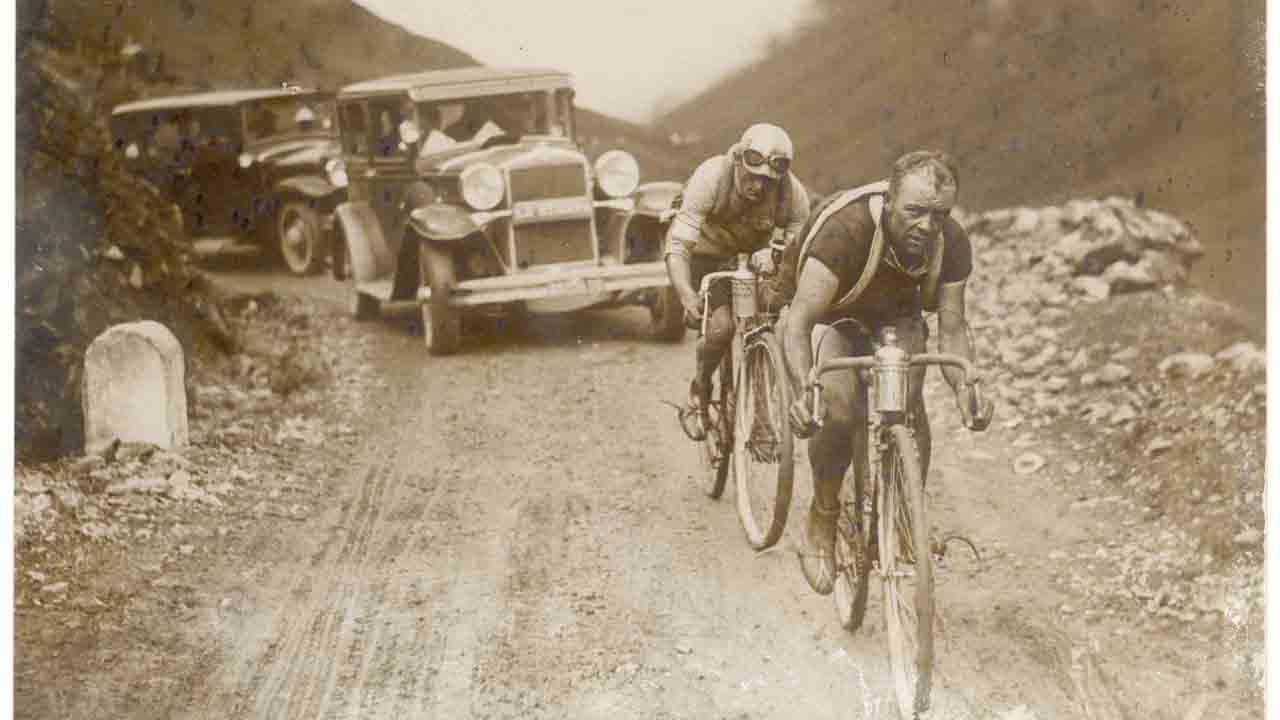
<point>906,566</point>
<point>762,449</point>
<point>853,557</point>
<point>717,446</point>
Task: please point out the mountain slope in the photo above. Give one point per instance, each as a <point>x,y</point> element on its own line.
<point>1039,102</point>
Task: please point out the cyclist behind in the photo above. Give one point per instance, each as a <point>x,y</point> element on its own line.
<point>918,258</point>
<point>733,203</point>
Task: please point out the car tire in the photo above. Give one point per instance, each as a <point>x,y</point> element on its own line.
<point>666,316</point>
<point>363,308</point>
<point>299,238</point>
<point>441,323</point>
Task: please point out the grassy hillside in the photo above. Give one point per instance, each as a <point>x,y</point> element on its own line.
<point>202,44</point>
<point>1038,101</point>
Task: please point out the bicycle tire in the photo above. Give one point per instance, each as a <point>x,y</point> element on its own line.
<point>717,446</point>
<point>853,559</point>
<point>908,594</point>
<point>763,453</point>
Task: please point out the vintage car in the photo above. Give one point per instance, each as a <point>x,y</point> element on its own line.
<point>469,194</point>
<point>250,169</point>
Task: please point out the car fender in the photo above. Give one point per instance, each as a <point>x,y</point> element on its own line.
<point>371,257</point>
<point>631,235</point>
<point>442,222</point>
<point>307,186</point>
<point>653,199</point>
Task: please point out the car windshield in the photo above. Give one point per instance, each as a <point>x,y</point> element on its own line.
<point>176,136</point>
<point>475,120</point>
<point>289,116</point>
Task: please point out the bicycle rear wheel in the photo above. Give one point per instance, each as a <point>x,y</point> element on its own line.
<point>763,460</point>
<point>717,446</point>
<point>906,566</point>
<point>853,558</point>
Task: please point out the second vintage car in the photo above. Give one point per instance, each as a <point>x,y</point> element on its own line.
<point>249,169</point>
<point>469,193</point>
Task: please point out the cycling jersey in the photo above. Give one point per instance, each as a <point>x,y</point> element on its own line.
<point>843,244</point>
<point>702,228</point>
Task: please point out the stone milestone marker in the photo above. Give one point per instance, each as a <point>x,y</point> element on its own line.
<point>134,387</point>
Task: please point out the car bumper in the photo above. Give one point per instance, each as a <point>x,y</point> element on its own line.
<point>559,282</point>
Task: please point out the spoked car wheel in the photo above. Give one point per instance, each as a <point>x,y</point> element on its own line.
<point>763,461</point>
<point>853,560</point>
<point>298,237</point>
<point>717,446</point>
<point>441,323</point>
<point>906,566</point>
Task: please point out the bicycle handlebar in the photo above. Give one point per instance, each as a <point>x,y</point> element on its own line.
<point>867,362</point>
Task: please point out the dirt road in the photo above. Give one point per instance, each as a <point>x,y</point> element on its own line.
<point>521,534</point>
<point>518,533</point>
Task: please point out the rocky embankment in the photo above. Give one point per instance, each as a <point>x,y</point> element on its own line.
<point>257,418</point>
<point>1142,398</point>
<point>94,245</point>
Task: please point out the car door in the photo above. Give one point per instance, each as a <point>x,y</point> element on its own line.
<point>390,164</point>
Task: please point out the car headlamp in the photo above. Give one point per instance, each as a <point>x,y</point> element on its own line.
<point>482,186</point>
<point>245,160</point>
<point>617,173</point>
<point>410,133</point>
<point>337,172</point>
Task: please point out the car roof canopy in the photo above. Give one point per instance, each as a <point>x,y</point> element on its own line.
<point>460,83</point>
<point>221,98</point>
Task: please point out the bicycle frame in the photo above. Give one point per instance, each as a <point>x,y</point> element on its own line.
<point>743,304</point>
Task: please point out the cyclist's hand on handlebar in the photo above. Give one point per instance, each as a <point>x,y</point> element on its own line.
<point>762,261</point>
<point>693,316</point>
<point>975,408</point>
<point>803,424</point>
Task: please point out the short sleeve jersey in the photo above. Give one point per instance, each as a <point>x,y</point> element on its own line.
<point>843,244</point>
<point>744,227</point>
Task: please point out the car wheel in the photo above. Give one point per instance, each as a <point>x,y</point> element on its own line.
<point>666,316</point>
<point>298,238</point>
<point>441,323</point>
<point>362,306</point>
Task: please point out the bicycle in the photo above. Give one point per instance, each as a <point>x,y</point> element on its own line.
<point>746,418</point>
<point>895,505</point>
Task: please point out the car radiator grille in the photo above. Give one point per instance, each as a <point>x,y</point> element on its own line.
<point>553,242</point>
<point>544,182</point>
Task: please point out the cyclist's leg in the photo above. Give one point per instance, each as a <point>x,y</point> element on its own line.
<point>830,453</point>
<point>719,335</point>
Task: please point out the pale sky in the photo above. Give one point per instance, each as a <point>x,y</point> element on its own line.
<point>626,56</point>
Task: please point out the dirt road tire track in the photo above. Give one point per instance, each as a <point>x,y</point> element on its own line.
<point>522,534</point>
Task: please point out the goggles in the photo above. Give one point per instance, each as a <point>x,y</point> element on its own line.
<point>754,159</point>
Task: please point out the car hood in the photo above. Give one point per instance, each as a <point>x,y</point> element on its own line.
<point>527,152</point>
<point>302,152</point>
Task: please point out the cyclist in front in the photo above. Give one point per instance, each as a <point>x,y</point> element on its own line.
<point>733,203</point>
<point>870,257</point>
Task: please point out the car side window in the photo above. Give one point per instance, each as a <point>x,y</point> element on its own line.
<point>355,132</point>
<point>387,114</point>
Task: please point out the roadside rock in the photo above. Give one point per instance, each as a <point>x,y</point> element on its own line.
<point>1112,374</point>
<point>1187,364</point>
<point>1028,463</point>
<point>1094,289</point>
<point>155,485</point>
<point>1244,357</point>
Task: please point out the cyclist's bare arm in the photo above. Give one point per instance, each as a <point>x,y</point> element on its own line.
<point>815,292</point>
<point>953,330</point>
<point>954,337</point>
<point>680,238</point>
